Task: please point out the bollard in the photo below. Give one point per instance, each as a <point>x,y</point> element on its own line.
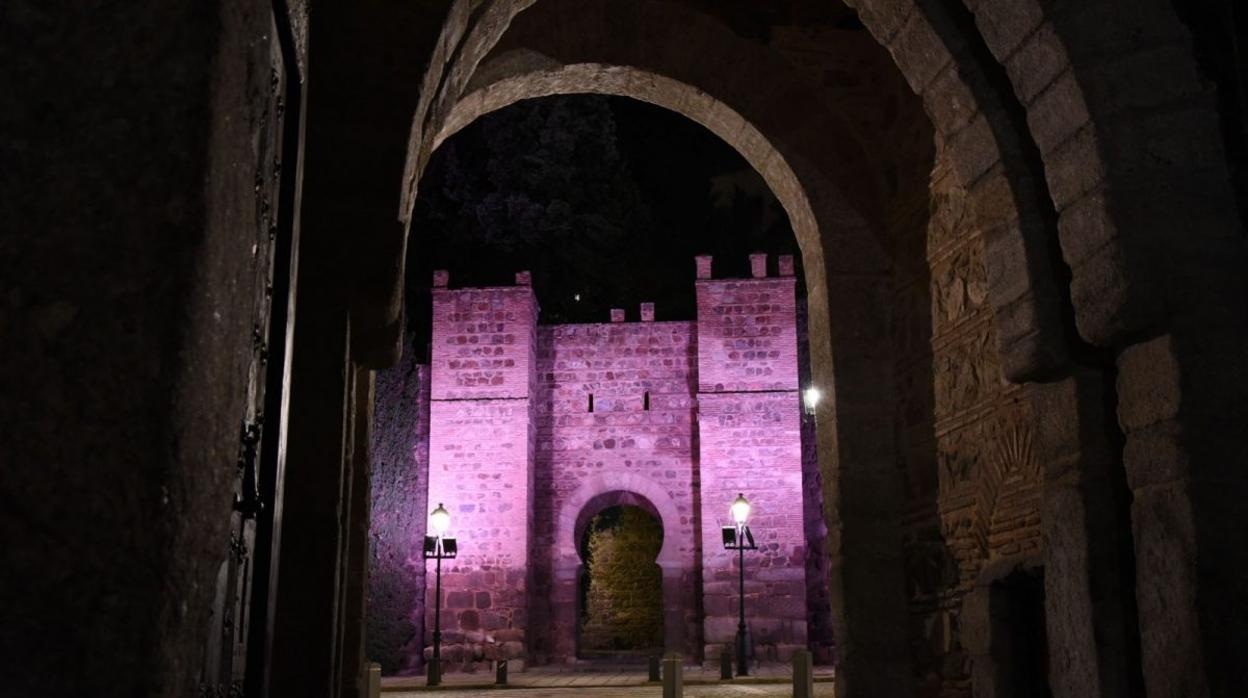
<point>500,672</point>
<point>725,663</point>
<point>654,669</point>
<point>374,680</point>
<point>803,674</point>
<point>673,676</point>
<point>433,672</point>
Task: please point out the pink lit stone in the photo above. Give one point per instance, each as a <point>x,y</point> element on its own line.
<point>523,464</point>
<point>703,265</point>
<point>524,278</point>
<point>785,264</point>
<point>758,265</point>
<point>441,278</point>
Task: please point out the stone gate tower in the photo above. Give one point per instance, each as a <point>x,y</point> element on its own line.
<point>536,429</point>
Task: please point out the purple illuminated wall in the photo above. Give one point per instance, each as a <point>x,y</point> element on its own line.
<point>588,461</point>
<point>480,466</point>
<point>750,434</point>
<point>397,522</point>
<point>684,416</point>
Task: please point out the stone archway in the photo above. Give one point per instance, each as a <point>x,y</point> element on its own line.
<point>807,154</point>
<point>843,258</point>
<point>988,147</point>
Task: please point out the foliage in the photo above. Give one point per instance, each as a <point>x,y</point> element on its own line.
<point>624,604</point>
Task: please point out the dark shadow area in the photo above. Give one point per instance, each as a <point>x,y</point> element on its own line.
<point>1020,644</point>
<point>605,199</point>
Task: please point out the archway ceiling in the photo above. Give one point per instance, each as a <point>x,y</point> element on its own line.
<point>813,94</point>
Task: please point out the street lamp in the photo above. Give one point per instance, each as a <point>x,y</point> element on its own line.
<point>438,547</point>
<point>740,539</point>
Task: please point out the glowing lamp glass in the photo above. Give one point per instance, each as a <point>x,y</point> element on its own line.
<point>811,397</point>
<point>740,509</point>
<point>440,519</point>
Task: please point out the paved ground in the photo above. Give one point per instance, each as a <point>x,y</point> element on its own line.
<point>767,680</point>
<point>773,690</point>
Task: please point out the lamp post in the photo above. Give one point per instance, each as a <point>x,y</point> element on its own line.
<point>439,548</point>
<point>740,539</point>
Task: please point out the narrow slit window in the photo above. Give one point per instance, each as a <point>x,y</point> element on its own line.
<point>591,402</point>
<point>645,401</point>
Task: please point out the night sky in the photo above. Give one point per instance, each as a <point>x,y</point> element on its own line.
<point>606,200</point>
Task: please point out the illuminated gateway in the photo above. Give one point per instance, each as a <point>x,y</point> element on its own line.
<point>534,429</point>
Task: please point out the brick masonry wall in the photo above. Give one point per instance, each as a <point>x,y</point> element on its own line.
<point>619,447</point>
<point>480,457</point>
<point>747,334</point>
<point>750,441</point>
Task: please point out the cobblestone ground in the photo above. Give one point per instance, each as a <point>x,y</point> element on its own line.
<point>822,690</point>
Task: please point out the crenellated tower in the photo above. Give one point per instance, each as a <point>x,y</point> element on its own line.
<point>749,429</point>
<point>481,464</point>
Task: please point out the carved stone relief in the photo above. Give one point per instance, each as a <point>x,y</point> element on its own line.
<point>967,372</point>
<point>959,288</point>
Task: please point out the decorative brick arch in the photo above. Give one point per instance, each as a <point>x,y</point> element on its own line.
<point>677,558</point>
<point>594,487</point>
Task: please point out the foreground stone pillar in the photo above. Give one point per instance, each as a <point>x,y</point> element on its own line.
<point>1089,595</point>
<point>862,487</point>
<point>306,611</point>
<point>353,679</point>
<point>1183,408</point>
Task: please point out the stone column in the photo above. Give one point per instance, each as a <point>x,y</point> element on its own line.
<point>1089,595</point>
<point>353,679</point>
<point>862,486</point>
<point>676,587</point>
<point>305,614</point>
<point>1183,406</point>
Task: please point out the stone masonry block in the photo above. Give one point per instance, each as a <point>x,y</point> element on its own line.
<point>758,265</point>
<point>1150,388</point>
<point>702,264</point>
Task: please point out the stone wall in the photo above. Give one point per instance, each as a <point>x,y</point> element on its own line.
<point>971,479</point>
<point>818,597</point>
<point>400,470</point>
<point>138,190</point>
<point>622,446</point>
<point>480,467</point>
<point>750,442</point>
